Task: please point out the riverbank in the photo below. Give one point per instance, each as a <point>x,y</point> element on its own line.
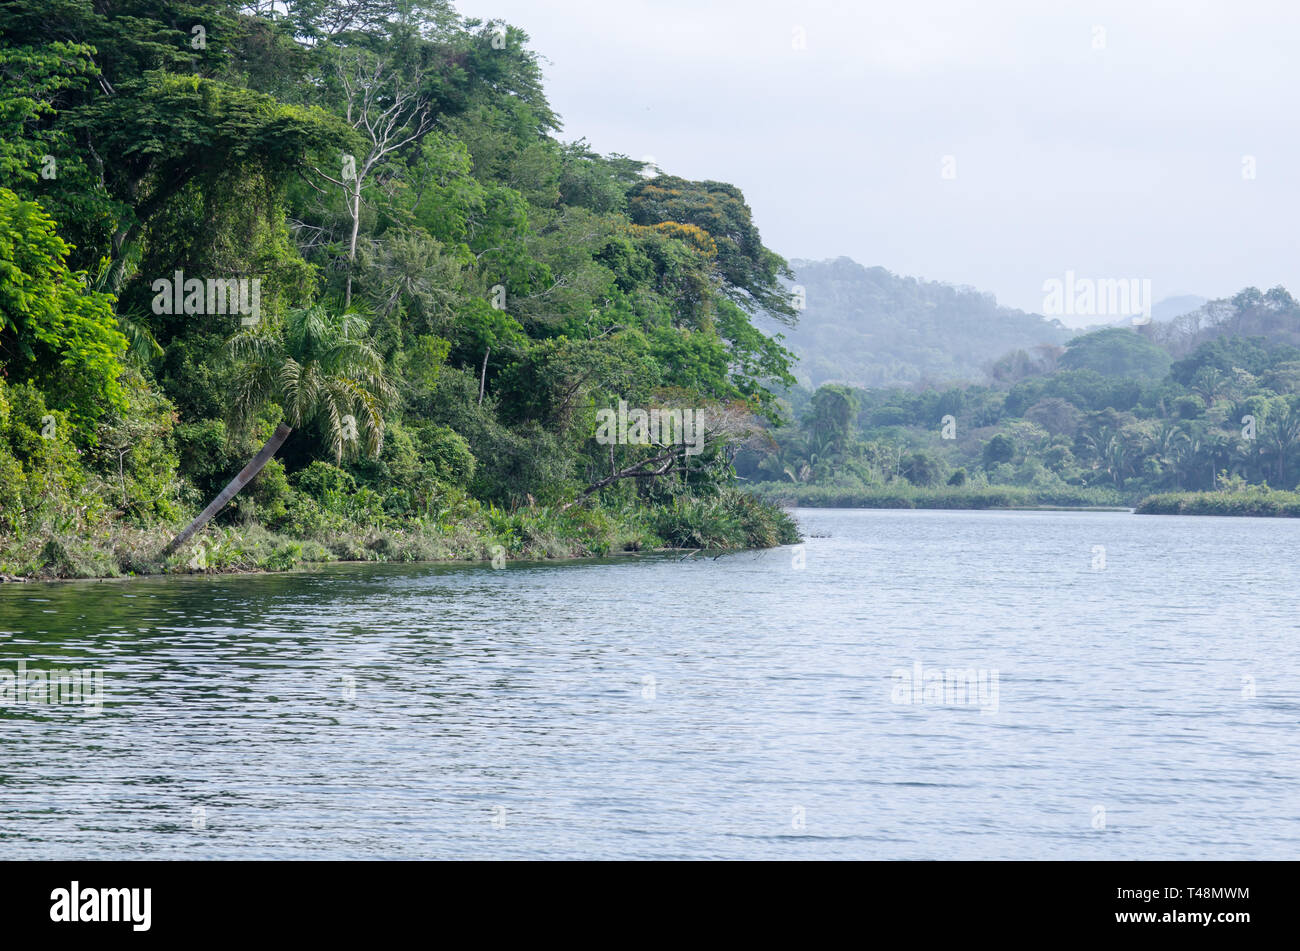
<point>729,521</point>
<point>946,497</point>
<point>1253,502</point>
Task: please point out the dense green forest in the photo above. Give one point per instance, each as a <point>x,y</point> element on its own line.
<point>867,327</point>
<point>355,222</point>
<point>1206,403</point>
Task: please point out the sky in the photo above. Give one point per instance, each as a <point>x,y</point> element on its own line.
<point>996,144</point>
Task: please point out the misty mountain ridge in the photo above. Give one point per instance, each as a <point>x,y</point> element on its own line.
<point>1163,310</point>
<point>868,327</point>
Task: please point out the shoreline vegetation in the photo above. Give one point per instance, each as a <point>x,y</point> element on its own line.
<point>747,519</point>
<point>1246,502</point>
<point>731,521</point>
<point>903,496</point>
<point>1253,502</point>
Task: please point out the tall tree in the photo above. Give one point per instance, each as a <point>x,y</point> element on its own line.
<point>389,110</point>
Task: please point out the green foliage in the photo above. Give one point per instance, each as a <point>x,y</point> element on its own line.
<point>833,411</point>
<point>1258,502</point>
<point>268,497</point>
<point>921,469</point>
<point>34,77</point>
<point>322,370</point>
<point>325,483</point>
<point>206,456</point>
<point>497,287</point>
<point>730,520</point>
<point>998,449</point>
<point>45,481</point>
<point>904,496</point>
<point>749,270</point>
<point>1207,423</point>
<point>1116,352</point>
<point>135,449</point>
<point>52,329</point>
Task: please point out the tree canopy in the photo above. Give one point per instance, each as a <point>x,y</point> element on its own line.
<point>353,211</point>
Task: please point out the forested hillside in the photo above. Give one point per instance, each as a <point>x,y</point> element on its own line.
<point>1208,403</point>
<point>356,222</point>
<point>867,327</point>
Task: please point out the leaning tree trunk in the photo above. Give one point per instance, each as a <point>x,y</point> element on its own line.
<point>246,475</point>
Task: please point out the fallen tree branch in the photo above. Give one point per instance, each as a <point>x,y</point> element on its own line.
<point>637,469</point>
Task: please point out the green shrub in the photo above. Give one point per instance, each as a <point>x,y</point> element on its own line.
<point>728,521</point>
<point>324,482</point>
<point>968,496</point>
<point>270,494</point>
<point>1255,501</point>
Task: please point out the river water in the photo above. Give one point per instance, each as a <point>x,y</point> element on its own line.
<point>1108,686</point>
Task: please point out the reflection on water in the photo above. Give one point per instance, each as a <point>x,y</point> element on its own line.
<point>1147,701</point>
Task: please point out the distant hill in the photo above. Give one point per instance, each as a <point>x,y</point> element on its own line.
<point>1171,307</point>
<point>1273,315</point>
<point>868,327</point>
<point>1162,311</point>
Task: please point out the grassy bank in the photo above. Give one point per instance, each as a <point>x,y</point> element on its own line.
<point>947,497</point>
<point>463,531</point>
<point>1258,502</point>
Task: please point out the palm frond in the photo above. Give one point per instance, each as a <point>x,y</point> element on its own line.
<point>141,347</point>
<point>319,364</point>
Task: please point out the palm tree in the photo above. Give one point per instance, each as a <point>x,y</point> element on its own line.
<point>1192,454</point>
<point>1111,450</point>
<point>1118,457</point>
<point>1209,384</point>
<point>141,347</point>
<point>1165,444</point>
<point>1280,436</point>
<point>321,368</point>
<point>1242,462</point>
<point>1219,450</point>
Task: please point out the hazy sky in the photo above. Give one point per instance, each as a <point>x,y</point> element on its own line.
<point>1124,161</point>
